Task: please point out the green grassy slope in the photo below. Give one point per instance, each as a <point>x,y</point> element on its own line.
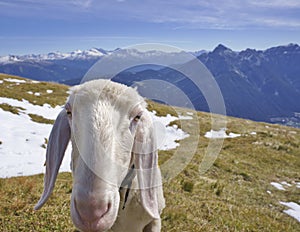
<point>231,196</point>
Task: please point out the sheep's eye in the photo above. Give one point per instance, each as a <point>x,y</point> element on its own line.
<point>137,118</point>
<point>68,109</point>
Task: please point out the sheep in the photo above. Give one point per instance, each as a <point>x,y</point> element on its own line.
<point>117,183</point>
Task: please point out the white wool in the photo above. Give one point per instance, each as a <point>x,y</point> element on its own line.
<point>106,140</point>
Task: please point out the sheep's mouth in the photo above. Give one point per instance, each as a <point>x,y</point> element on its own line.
<point>96,224</point>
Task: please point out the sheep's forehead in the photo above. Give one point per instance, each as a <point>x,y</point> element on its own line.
<point>107,93</point>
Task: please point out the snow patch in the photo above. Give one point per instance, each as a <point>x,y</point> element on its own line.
<point>221,134</point>
<point>49,91</point>
<point>37,94</point>
<point>286,183</point>
<point>278,186</point>
<point>294,210</point>
<point>28,157</point>
<point>167,135</point>
<point>1,81</point>
<point>45,111</point>
<point>14,80</point>
<point>35,82</point>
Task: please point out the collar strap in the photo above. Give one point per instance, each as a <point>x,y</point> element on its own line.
<point>128,182</point>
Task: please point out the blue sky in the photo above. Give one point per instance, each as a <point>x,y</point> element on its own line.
<point>41,26</point>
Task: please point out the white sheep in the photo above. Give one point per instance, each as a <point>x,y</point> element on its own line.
<point>116,179</point>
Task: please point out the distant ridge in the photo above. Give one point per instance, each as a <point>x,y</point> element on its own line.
<point>262,85</point>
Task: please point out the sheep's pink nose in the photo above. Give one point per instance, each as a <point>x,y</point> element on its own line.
<point>90,214</point>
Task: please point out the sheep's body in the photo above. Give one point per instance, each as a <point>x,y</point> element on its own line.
<point>110,132</point>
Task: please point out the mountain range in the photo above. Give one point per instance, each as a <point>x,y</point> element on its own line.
<point>262,85</point>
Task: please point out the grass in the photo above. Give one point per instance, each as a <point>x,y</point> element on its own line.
<point>40,119</point>
<point>12,109</point>
<point>27,91</point>
<point>231,196</point>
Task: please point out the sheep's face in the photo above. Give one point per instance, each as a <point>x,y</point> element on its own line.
<point>102,134</point>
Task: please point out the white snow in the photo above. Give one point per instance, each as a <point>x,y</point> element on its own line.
<point>78,54</point>
<point>45,111</point>
<point>277,186</point>
<point>30,92</point>
<point>8,59</point>
<point>49,91</point>
<point>21,151</point>
<point>167,135</point>
<point>14,80</point>
<point>286,183</point>
<point>298,185</point>
<point>35,82</point>
<point>37,94</point>
<point>253,133</point>
<point>4,59</point>
<point>294,210</point>
<point>1,81</point>
<point>221,134</point>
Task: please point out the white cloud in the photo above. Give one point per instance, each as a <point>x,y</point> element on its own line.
<point>230,14</point>
<point>83,3</point>
<point>276,3</point>
<point>277,22</point>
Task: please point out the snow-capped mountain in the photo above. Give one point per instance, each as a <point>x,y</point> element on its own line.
<point>77,54</point>
<point>67,67</point>
<point>54,66</point>
<point>260,85</point>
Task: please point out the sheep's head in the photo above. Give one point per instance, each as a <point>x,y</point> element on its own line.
<point>110,131</point>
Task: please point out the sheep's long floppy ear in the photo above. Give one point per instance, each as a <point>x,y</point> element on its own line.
<point>57,144</point>
<point>145,159</point>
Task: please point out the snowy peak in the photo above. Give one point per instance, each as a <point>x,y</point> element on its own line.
<point>93,53</point>
<point>77,54</point>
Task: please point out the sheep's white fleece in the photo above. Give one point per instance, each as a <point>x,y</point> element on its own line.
<point>110,131</point>
<point>133,218</point>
